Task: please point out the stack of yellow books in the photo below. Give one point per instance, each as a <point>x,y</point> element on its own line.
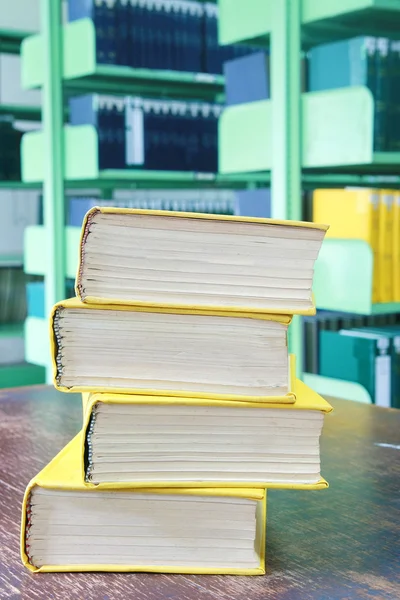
<point>177,341</point>
<point>371,215</point>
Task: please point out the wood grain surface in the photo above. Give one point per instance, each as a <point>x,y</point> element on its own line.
<point>334,544</point>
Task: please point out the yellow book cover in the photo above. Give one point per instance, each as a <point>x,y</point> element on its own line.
<point>63,518</point>
<point>162,427</point>
<point>396,248</point>
<point>385,252</point>
<point>58,350</point>
<point>351,213</point>
<point>197,261</point>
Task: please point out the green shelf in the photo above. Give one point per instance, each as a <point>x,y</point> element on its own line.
<point>10,40</point>
<point>11,260</point>
<point>37,341</point>
<point>336,388</point>
<point>81,167</point>
<point>337,135</point>
<point>81,74</point>
<point>12,330</point>
<point>343,279</point>
<point>19,185</point>
<point>21,374</point>
<point>252,21</point>
<point>35,250</point>
<point>25,113</point>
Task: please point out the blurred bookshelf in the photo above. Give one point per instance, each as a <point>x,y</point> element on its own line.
<point>317,135</point>
<point>109,61</point>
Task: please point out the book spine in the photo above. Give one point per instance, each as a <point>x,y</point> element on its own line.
<point>374,228</point>
<point>122,26</point>
<point>110,14</point>
<point>396,372</point>
<point>396,247</point>
<point>382,96</point>
<point>382,373</point>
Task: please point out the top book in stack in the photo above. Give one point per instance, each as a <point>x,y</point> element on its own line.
<point>187,260</point>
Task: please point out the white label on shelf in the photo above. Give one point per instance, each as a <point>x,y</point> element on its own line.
<point>205,176</point>
<point>134,146</point>
<point>382,380</point>
<point>204,78</point>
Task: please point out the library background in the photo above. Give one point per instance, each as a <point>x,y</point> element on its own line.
<point>286,109</point>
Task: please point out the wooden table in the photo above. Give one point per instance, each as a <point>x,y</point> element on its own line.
<point>338,543</point>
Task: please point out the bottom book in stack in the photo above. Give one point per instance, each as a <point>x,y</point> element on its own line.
<point>70,526</point>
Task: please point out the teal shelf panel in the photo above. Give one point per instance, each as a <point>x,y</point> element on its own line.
<point>81,167</point>
<point>335,388</point>
<point>343,279</point>
<point>82,75</point>
<point>252,21</point>
<point>25,113</point>
<point>21,374</point>
<point>11,330</point>
<point>337,135</point>
<point>10,40</point>
<point>11,260</point>
<point>35,250</point>
<point>37,341</point>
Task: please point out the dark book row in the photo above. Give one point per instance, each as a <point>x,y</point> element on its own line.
<point>10,142</point>
<point>138,133</point>
<point>364,350</point>
<point>364,61</point>
<point>179,35</point>
<point>77,207</point>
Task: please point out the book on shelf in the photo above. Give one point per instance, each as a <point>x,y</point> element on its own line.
<point>107,115</point>
<point>253,203</point>
<point>395,273</point>
<point>176,352</point>
<point>360,61</point>
<point>179,35</point>
<point>139,133</point>
<point>385,246</point>
<point>353,213</point>
<point>103,14</point>
<point>169,442</point>
<point>360,356</point>
<point>70,526</point>
<point>218,202</point>
<point>392,332</point>
<point>223,263</point>
<point>247,79</point>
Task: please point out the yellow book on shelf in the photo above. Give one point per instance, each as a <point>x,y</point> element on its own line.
<point>351,213</point>
<point>171,352</point>
<point>137,441</point>
<point>385,251</point>
<point>198,261</point>
<point>70,526</point>
<point>396,247</point>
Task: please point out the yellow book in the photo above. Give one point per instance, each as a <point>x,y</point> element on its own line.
<point>70,526</point>
<point>213,262</point>
<point>385,251</point>
<point>351,214</point>
<point>137,441</point>
<point>396,247</point>
<point>170,352</point>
